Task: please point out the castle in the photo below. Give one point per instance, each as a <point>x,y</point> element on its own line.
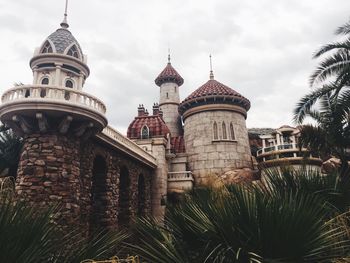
<point>100,177</point>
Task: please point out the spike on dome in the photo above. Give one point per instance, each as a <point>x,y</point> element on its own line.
<point>169,74</point>
<point>64,23</point>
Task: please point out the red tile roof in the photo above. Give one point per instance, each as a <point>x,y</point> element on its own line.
<point>177,144</point>
<point>214,92</point>
<point>169,74</point>
<point>155,124</point>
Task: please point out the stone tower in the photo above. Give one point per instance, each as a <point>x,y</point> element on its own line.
<point>54,116</point>
<point>215,133</point>
<point>169,82</point>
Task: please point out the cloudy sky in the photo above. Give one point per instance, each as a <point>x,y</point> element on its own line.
<point>261,48</point>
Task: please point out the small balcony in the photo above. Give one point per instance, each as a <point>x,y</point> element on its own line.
<point>180,181</point>
<point>276,148</point>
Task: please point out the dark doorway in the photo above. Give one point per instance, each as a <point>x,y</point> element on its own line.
<point>124,198</point>
<point>141,196</point>
<point>98,193</point>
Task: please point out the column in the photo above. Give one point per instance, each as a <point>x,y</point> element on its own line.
<point>58,74</point>
<point>35,75</point>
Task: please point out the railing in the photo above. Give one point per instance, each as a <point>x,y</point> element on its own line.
<point>278,148</point>
<point>180,176</point>
<point>130,145</point>
<point>47,93</point>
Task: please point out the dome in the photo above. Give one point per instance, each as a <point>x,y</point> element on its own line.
<point>213,92</point>
<point>169,74</point>
<point>154,125</point>
<point>63,42</point>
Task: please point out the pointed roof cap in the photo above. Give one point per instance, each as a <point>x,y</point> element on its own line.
<point>169,74</point>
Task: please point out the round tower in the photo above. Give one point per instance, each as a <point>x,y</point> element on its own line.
<point>215,133</point>
<point>53,115</point>
<point>169,82</point>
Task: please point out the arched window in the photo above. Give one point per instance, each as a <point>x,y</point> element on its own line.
<point>215,131</point>
<point>224,133</point>
<point>144,132</point>
<point>73,51</point>
<point>69,84</point>
<point>232,132</point>
<point>98,193</point>
<point>45,81</point>
<point>47,48</point>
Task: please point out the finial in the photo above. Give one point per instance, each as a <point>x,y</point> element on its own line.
<point>211,76</point>
<point>169,55</point>
<point>64,23</point>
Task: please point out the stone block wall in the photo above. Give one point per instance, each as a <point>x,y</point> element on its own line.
<point>208,156</point>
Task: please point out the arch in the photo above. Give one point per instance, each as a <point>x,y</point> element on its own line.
<point>215,130</point>
<point>224,132</point>
<point>73,51</point>
<point>69,83</point>
<point>232,132</point>
<point>98,193</point>
<point>141,196</point>
<point>124,197</point>
<point>144,132</point>
<point>47,47</point>
<point>44,81</point>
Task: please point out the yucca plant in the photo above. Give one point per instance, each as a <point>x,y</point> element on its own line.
<point>255,223</point>
<point>29,234</point>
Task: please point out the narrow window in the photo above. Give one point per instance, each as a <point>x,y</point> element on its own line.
<point>175,89</point>
<point>215,131</point>
<point>73,51</point>
<point>144,132</point>
<point>47,48</point>
<point>232,132</point>
<point>167,95</point>
<point>45,81</point>
<point>224,133</point>
<point>69,84</point>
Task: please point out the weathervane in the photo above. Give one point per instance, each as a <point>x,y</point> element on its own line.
<point>64,23</point>
<point>211,76</point>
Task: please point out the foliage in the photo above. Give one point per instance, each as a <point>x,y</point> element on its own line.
<point>286,219</point>
<point>10,147</point>
<point>331,77</point>
<point>29,234</point>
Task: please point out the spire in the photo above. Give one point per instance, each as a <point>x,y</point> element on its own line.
<point>211,76</point>
<point>64,23</point>
<point>169,56</point>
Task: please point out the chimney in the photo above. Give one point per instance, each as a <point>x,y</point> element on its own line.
<point>141,110</point>
<point>155,109</point>
<point>146,112</point>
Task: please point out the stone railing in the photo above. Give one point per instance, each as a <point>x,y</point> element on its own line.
<point>180,176</point>
<point>289,146</point>
<point>53,93</point>
<point>128,145</point>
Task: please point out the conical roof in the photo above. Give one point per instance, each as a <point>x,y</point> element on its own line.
<point>169,74</point>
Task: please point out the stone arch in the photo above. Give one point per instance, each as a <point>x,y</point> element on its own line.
<point>141,195</point>
<point>232,132</point>
<point>224,132</point>
<point>215,131</point>
<point>124,197</point>
<point>98,192</point>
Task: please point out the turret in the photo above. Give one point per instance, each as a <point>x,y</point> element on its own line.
<point>169,82</point>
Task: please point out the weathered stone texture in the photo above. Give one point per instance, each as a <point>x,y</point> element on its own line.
<point>207,156</point>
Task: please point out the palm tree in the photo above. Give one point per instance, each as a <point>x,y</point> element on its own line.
<point>10,147</point>
<point>331,134</point>
<point>332,76</point>
<point>286,219</point>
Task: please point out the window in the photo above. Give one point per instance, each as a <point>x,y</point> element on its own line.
<point>45,81</point>
<point>232,132</point>
<point>144,132</point>
<point>47,48</point>
<point>175,89</point>
<point>215,131</point>
<point>69,84</point>
<point>167,95</point>
<point>224,133</point>
<point>73,51</point>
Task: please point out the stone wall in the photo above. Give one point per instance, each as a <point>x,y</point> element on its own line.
<point>208,156</point>
<point>84,177</point>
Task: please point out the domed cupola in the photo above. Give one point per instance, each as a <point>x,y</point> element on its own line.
<point>169,74</point>
<point>214,95</point>
<point>59,60</point>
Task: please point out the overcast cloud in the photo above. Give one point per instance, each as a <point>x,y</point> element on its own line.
<point>260,48</point>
